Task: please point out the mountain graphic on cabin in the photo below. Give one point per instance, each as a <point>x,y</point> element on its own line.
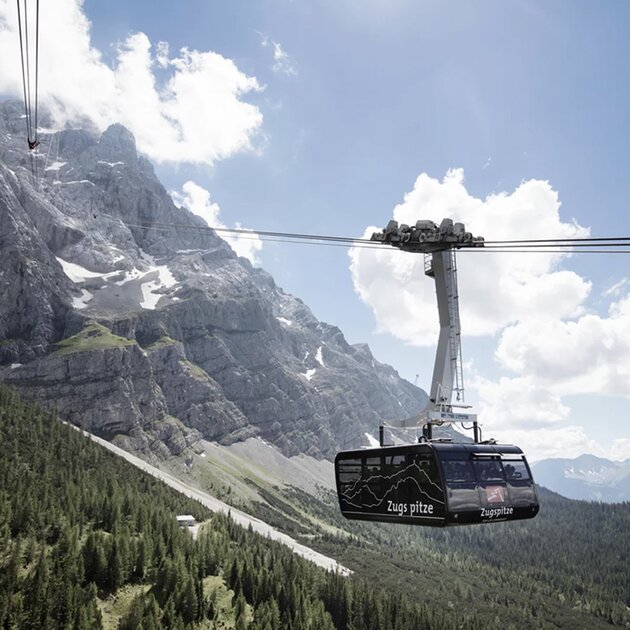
<point>412,482</point>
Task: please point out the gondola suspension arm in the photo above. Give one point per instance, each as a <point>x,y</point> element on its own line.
<point>438,244</point>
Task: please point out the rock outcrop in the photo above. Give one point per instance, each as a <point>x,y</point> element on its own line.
<point>133,318</point>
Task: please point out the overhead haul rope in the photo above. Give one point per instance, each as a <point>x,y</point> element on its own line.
<point>25,56</point>
<point>590,245</point>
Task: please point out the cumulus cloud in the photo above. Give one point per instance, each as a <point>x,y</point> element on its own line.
<point>569,441</point>
<point>620,449</point>
<point>282,63</point>
<point>495,289</point>
<point>193,112</point>
<point>197,200</point>
<point>617,288</point>
<point>548,343</point>
<point>590,354</point>
<point>512,402</point>
<point>549,359</point>
<point>524,411</point>
<point>162,58</point>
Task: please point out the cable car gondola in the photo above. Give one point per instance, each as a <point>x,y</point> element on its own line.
<point>436,484</point>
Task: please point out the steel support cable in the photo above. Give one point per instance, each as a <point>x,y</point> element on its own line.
<point>358,243</point>
<point>254,233</point>
<point>558,243</point>
<point>25,57</point>
<point>543,246</point>
<point>239,231</point>
<point>36,67</point>
<point>28,72</point>
<point>318,237</point>
<point>558,246</point>
<point>247,235</point>
<point>560,240</point>
<point>516,250</point>
<point>26,100</point>
<point>582,242</point>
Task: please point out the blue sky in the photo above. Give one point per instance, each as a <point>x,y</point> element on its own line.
<point>365,96</point>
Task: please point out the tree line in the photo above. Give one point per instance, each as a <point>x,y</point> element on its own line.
<point>79,524</point>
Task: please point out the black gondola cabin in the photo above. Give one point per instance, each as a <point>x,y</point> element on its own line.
<point>436,484</point>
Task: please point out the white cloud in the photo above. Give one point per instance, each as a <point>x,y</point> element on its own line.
<point>197,200</point>
<point>620,449</point>
<point>193,113</point>
<point>282,63</point>
<point>515,402</point>
<point>589,355</point>
<point>524,412</point>
<point>495,289</point>
<point>552,359</point>
<point>617,288</point>
<point>162,51</point>
<point>548,344</point>
<point>568,441</point>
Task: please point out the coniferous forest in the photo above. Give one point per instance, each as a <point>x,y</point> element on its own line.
<point>89,541</point>
<point>567,568</point>
<point>80,527</point>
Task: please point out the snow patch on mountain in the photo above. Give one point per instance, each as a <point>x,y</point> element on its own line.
<point>109,163</point>
<point>75,272</point>
<point>55,166</point>
<point>133,274</point>
<point>150,289</point>
<point>318,356</point>
<point>372,440</point>
<point>601,475</point>
<point>81,302</point>
<point>75,181</point>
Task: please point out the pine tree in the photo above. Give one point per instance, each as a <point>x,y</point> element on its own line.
<point>36,595</point>
<point>187,602</point>
<point>114,567</point>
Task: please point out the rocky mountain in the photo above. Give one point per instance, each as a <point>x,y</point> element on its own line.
<point>133,318</point>
<point>586,477</point>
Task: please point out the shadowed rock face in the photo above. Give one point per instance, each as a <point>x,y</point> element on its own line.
<point>192,340</point>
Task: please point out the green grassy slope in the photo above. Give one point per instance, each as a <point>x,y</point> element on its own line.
<point>93,337</point>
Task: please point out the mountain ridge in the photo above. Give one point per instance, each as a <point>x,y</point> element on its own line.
<point>135,319</point>
<point>587,478</point>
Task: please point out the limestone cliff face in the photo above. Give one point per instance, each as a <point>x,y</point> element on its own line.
<point>134,319</point>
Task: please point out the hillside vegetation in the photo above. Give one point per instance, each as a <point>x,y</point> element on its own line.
<point>567,568</point>
<point>87,541</point>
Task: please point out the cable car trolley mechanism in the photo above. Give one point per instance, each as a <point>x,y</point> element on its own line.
<point>437,482</point>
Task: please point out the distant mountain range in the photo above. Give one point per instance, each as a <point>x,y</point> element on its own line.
<point>586,477</point>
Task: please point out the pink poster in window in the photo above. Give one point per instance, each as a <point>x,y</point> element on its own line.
<point>495,494</point>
